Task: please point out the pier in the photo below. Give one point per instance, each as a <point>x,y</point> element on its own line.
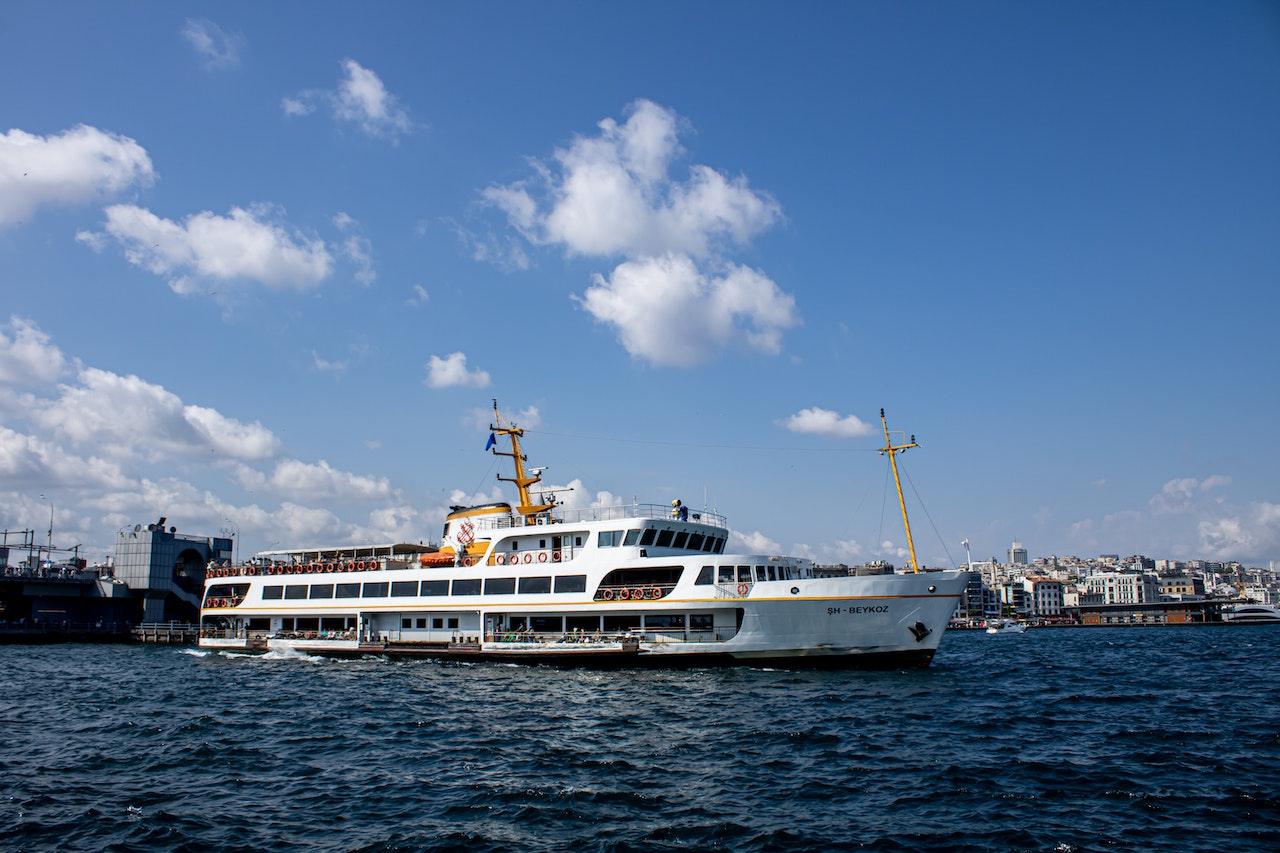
<point>167,633</point>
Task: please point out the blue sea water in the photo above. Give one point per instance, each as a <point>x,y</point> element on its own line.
<point>1056,740</point>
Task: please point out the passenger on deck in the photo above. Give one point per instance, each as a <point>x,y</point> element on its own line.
<point>679,510</point>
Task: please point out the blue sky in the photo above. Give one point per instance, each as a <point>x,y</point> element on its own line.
<point>264,266</point>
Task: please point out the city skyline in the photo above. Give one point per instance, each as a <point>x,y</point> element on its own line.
<point>266,270</point>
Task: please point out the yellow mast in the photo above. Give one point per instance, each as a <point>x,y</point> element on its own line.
<point>521,480</point>
<point>893,450</point>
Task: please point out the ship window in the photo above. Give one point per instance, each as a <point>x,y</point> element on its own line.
<point>259,624</point>
<point>437,623</point>
<point>347,590</point>
<point>312,624</point>
<point>726,575</point>
<point>720,545</point>
<point>760,573</point>
<point>681,537</point>
<point>286,624</point>
<point>272,593</point>
<point>705,576</point>
<point>374,590</point>
<point>546,624</point>
<point>322,590</point>
<point>632,537</point>
<point>500,586</point>
<point>422,623</point>
<point>440,587</point>
<point>406,623</point>
<point>332,623</point>
<point>773,573</point>
<point>404,588</point>
<point>294,591</point>
<point>695,542</point>
<point>621,623</point>
<point>664,538</point>
<point>664,620</point>
<point>453,623</point>
<point>609,538</point>
<point>710,544</point>
<point>744,574</point>
<point>702,621</point>
<point>470,586</point>
<point>582,623</point>
<point>571,583</point>
<point>535,585</point>
<point>647,537</point>
<point>577,541</point>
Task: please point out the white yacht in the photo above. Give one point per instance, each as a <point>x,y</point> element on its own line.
<point>634,585</point>
<point>1251,613</point>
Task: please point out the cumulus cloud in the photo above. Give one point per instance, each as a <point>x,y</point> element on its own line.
<point>129,416</point>
<point>451,371</point>
<point>613,195</point>
<point>825,422</point>
<point>356,248</point>
<point>26,355</point>
<point>205,249</point>
<point>316,480</point>
<point>360,98</point>
<point>219,50</point>
<point>668,312</point>
<point>79,166</point>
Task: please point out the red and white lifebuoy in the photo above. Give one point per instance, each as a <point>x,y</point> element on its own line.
<point>623,595</point>
<point>656,592</point>
<point>637,594</point>
<point>743,589</point>
<point>542,556</point>
<point>606,594</point>
<point>528,558</point>
<point>501,559</point>
<point>555,556</point>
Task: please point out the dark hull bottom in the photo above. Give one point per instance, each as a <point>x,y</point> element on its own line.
<point>913,659</point>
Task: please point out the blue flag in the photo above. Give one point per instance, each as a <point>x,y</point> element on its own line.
<point>491,442</point>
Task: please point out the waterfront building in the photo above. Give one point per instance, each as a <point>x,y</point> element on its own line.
<point>1180,587</point>
<point>166,569</point>
<point>1124,587</point>
<point>1043,596</point>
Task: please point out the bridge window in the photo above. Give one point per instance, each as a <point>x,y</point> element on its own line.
<point>681,538</point>
<point>609,538</point>
<point>664,538</point>
<point>695,542</point>
<point>646,538</point>
<point>633,536</point>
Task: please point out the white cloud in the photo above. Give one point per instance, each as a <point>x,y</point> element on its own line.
<point>675,299</point>
<point>129,416</point>
<point>666,311</point>
<point>420,296</point>
<point>79,166</point>
<point>361,98</point>
<point>451,371</point>
<point>356,248</point>
<point>337,368</point>
<point>816,421</point>
<point>26,355</point>
<point>206,249</point>
<point>752,543</point>
<point>320,481</point>
<point>218,49</point>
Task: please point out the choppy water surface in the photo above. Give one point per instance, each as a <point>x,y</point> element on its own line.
<point>1057,740</point>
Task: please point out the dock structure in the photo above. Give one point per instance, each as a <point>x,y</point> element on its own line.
<point>167,633</point>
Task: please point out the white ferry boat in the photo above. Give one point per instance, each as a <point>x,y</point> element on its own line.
<point>637,585</point>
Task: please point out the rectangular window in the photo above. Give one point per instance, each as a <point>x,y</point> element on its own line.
<point>500,586</point>
<point>546,624</point>
<point>374,590</point>
<point>295,591</point>
<point>681,538</point>
<point>272,593</point>
<point>773,573</point>
<point>705,576</point>
<point>744,574</point>
<point>725,575</point>
<point>633,536</point>
<point>695,542</point>
<point>701,621</point>
<point>609,538</point>
<point>664,538</point>
<point>322,590</point>
<point>613,624</point>
<point>582,623</point>
<point>286,624</point>
<point>422,623</point>
<point>470,586</point>
<point>403,588</point>
<point>646,538</point>
<point>571,583</point>
<point>664,620</point>
<point>535,585</point>
<point>347,590</point>
<point>311,624</point>
<point>760,573</point>
<point>406,623</point>
<point>453,623</point>
<point>709,546</point>
<point>437,623</point>
<point>439,587</point>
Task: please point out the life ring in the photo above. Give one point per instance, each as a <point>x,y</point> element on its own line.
<point>623,595</point>
<point>743,589</point>
<point>657,593</point>
<point>351,567</point>
<point>360,566</point>
<point>637,594</point>
<point>328,567</point>
<point>542,556</point>
<point>466,561</point>
<point>501,559</point>
<point>528,558</point>
<point>555,556</point>
<point>606,594</point>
